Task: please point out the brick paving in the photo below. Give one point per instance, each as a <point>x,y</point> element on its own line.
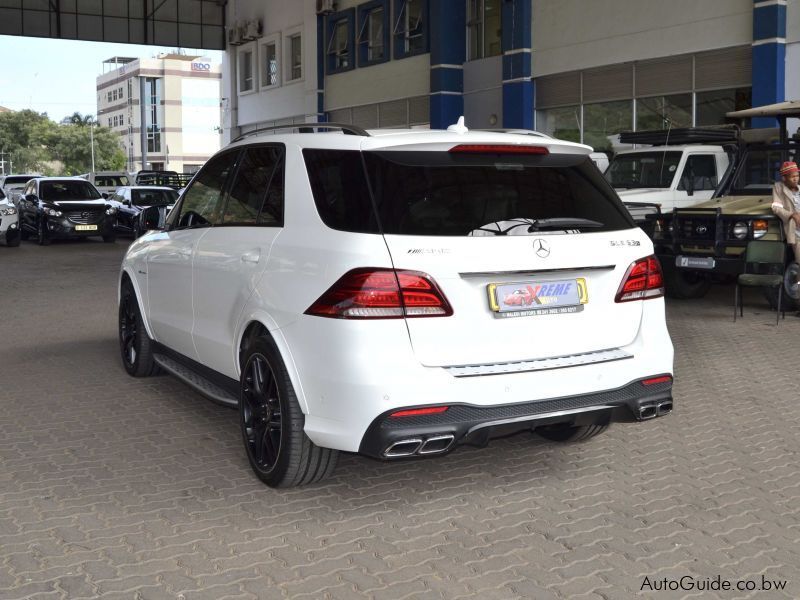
<point>114,487</point>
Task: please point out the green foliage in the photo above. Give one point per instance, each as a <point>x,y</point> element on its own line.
<point>35,143</point>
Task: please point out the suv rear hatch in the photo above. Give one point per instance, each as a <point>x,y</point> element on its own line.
<point>528,249</point>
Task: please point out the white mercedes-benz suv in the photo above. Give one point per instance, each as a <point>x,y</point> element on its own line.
<point>399,293</point>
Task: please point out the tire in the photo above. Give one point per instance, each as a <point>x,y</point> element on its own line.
<point>136,347</point>
<point>12,239</point>
<point>570,433</point>
<point>41,237</point>
<point>23,235</point>
<point>279,452</point>
<point>109,239</point>
<point>791,290</point>
<point>685,285</point>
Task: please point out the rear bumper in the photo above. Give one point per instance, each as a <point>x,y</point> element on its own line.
<point>391,437</point>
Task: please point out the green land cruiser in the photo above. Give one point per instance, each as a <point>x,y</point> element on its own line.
<point>705,243</point>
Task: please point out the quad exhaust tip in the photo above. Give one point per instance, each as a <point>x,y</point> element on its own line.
<point>653,410</point>
<point>435,444</point>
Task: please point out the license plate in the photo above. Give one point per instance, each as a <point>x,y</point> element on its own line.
<point>537,297</point>
<point>85,227</point>
<point>695,262</point>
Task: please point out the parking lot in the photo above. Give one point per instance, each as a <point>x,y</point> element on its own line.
<point>139,488</point>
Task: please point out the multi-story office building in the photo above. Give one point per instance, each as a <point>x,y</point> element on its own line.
<point>166,110</point>
<point>580,70</point>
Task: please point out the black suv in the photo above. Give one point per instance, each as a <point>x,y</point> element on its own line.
<point>64,207</point>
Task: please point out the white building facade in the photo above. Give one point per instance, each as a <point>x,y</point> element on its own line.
<point>579,70</point>
<point>166,110</point>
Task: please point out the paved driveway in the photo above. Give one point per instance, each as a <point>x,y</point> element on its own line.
<point>115,487</point>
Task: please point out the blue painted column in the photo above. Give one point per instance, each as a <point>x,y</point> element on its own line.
<point>769,56</point>
<point>517,66</point>
<point>448,39</point>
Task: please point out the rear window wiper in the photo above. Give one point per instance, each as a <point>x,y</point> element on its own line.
<point>562,223</point>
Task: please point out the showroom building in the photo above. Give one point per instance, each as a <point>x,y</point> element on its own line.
<point>577,70</point>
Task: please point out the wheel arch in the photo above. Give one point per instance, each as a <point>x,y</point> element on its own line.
<point>127,275</point>
<point>260,324</point>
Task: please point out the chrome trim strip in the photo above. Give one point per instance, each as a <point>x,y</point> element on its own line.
<point>535,271</point>
<point>540,364</point>
<point>558,413</point>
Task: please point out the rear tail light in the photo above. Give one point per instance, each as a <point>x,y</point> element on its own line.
<point>382,294</point>
<point>498,149</point>
<point>643,280</point>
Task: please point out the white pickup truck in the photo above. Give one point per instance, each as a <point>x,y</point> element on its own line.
<point>670,176</point>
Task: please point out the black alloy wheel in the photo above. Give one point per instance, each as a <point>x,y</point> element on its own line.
<point>12,237</point>
<point>42,237</point>
<point>261,414</point>
<point>272,422</point>
<point>134,343</point>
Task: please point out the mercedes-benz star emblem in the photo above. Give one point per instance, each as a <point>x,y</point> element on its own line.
<point>541,248</point>
<point>701,229</point>
<point>85,215</point>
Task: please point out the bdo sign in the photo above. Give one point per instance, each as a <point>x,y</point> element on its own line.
<point>200,66</point>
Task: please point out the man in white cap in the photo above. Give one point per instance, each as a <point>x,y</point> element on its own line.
<point>786,204</point>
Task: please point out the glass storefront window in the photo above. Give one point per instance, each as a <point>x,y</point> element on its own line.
<point>663,112</point>
<point>712,106</point>
<point>563,123</point>
<point>603,121</point>
<point>484,28</point>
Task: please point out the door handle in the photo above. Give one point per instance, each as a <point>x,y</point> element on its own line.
<point>253,256</point>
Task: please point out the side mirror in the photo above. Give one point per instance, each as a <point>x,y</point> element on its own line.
<point>105,195</point>
<point>153,218</point>
<point>31,198</point>
<point>126,202</point>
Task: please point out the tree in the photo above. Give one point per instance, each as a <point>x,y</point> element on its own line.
<point>22,139</point>
<point>35,143</point>
<point>73,147</point>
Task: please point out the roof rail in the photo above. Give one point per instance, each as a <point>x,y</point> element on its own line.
<point>515,130</point>
<point>345,128</point>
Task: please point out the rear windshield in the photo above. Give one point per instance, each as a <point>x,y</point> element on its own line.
<point>441,194</point>
<point>16,179</point>
<point>59,191</point>
<point>643,170</point>
<point>153,197</point>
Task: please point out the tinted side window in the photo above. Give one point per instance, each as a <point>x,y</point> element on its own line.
<point>203,201</point>
<point>253,187</point>
<point>340,190</point>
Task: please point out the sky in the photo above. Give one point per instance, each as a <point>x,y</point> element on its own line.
<point>57,77</point>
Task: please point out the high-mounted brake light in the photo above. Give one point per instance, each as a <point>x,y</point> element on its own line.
<point>498,149</point>
<point>416,412</point>
<point>382,294</point>
<point>643,280</point>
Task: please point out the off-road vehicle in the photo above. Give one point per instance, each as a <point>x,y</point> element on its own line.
<point>705,243</point>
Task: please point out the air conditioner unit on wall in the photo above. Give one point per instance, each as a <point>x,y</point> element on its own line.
<point>252,29</point>
<point>326,6</point>
<point>234,35</point>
